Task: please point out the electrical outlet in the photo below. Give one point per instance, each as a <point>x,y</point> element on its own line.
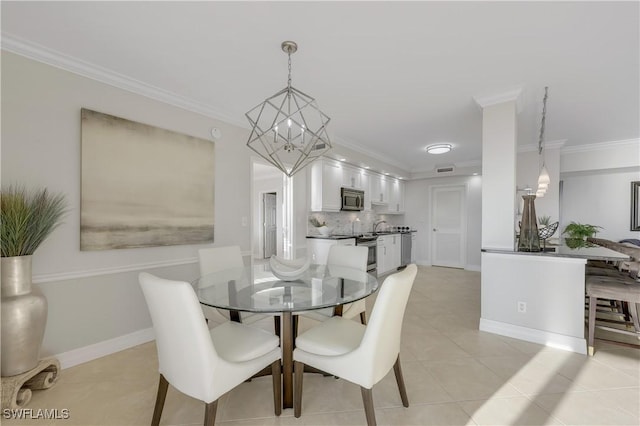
<point>522,307</point>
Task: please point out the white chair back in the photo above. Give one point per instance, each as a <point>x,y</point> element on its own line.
<point>214,259</point>
<point>381,340</point>
<point>349,256</point>
<point>186,354</point>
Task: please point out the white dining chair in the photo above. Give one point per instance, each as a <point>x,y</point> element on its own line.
<point>351,257</point>
<point>201,363</point>
<point>357,353</point>
<point>215,259</point>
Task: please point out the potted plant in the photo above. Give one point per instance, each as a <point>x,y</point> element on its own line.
<point>27,218</point>
<point>321,226</point>
<point>578,233</point>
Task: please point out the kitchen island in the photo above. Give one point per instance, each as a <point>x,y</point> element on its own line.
<point>538,296</point>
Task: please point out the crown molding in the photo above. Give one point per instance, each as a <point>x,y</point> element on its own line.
<point>28,49</point>
<point>514,94</point>
<point>599,146</point>
<point>557,144</point>
<point>366,151</point>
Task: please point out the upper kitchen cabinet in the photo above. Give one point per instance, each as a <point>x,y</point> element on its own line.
<point>396,196</point>
<point>379,189</point>
<point>352,177</point>
<point>325,184</point>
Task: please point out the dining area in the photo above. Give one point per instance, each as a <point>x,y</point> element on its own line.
<point>206,362</point>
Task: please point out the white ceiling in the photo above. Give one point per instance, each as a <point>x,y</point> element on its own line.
<point>393,76</point>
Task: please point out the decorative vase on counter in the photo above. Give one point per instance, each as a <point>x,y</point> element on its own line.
<point>529,239</point>
<point>324,230</point>
<point>24,316</point>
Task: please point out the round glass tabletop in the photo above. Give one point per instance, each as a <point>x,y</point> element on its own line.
<point>256,289</point>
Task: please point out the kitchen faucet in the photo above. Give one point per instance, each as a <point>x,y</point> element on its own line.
<point>375,225</point>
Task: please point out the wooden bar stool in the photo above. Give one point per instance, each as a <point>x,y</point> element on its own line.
<point>623,289</point>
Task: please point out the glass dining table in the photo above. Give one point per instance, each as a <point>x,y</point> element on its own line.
<point>257,289</point>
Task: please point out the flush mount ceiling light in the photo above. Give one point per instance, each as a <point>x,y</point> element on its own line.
<point>288,129</point>
<point>440,148</point>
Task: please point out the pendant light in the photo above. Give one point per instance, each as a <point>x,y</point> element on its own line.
<point>288,129</point>
<point>543,179</point>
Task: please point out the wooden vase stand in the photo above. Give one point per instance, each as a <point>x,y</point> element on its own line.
<point>17,390</point>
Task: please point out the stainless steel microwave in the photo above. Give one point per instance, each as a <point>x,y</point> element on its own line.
<point>352,199</point>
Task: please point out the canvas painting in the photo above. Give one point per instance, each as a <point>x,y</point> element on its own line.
<point>143,186</point>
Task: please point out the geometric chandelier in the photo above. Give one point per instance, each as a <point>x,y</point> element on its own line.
<point>288,129</point>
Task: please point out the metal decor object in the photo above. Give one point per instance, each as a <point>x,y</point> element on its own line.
<point>288,129</point>
<point>24,317</point>
<point>529,239</point>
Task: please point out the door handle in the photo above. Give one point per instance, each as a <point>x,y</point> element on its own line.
<point>435,230</point>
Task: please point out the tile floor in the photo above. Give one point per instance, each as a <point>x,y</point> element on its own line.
<point>455,375</point>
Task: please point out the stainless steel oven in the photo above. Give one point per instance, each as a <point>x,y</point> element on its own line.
<point>372,258</point>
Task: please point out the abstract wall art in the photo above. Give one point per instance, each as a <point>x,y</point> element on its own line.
<point>143,186</point>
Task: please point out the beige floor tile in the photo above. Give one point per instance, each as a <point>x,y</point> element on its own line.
<point>432,346</point>
<point>508,411</point>
<point>528,375</point>
<point>466,379</point>
<point>426,414</point>
<point>252,399</point>
<point>479,343</point>
<point>587,408</point>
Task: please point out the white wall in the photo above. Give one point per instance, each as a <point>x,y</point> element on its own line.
<point>597,186</point>
<point>94,296</point>
<point>602,199</point>
<point>418,215</point>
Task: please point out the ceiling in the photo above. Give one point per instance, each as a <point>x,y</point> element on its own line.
<point>394,77</point>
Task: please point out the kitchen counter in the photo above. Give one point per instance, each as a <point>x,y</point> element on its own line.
<point>593,253</point>
<point>372,234</point>
<point>332,237</point>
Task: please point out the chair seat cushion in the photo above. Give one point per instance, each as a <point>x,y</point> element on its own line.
<point>335,336</point>
<point>235,342</point>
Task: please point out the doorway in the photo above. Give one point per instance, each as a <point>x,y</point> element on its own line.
<point>270,225</point>
<point>448,225</point>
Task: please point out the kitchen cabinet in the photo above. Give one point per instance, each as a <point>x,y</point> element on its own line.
<point>396,196</point>
<point>378,189</point>
<point>318,248</point>
<point>351,177</point>
<point>325,183</point>
<point>413,247</point>
<point>389,253</point>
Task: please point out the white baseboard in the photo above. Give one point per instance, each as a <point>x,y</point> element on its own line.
<point>107,347</point>
<point>558,341</point>
<point>475,268</point>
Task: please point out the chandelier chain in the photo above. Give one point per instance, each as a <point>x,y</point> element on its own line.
<point>544,114</point>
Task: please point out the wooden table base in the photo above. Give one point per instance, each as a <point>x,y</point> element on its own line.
<point>17,390</point>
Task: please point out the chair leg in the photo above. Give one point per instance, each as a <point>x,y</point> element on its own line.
<point>163,385</point>
<point>277,386</point>
<point>297,391</point>
<point>210,413</point>
<point>363,318</point>
<point>593,302</point>
<point>369,412</point>
<point>403,391</point>
<point>276,324</point>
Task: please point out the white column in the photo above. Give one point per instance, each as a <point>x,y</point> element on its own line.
<point>499,170</point>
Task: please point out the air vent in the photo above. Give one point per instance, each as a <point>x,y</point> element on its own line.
<point>319,146</point>
<point>446,169</point>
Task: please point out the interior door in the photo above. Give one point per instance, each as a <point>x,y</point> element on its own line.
<point>448,231</point>
<point>270,224</point>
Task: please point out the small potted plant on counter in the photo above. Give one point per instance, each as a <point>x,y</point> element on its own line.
<point>321,226</point>
<point>578,234</point>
